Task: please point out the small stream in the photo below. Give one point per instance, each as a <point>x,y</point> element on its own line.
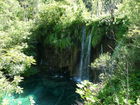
<point>53,90</point>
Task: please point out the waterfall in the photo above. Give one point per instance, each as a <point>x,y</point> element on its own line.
<point>83,72</point>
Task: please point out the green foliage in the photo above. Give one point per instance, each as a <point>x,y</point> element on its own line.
<point>88,91</point>
<point>98,31</point>
<point>102,62</point>
<point>104,26</point>
<point>121,85</point>
<point>13,40</point>
<point>59,23</point>
<point>14,33</point>
<point>7,87</point>
<point>13,62</point>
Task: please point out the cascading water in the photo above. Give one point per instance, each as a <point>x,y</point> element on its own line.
<point>83,73</point>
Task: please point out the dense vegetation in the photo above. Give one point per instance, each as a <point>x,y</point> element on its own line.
<point>14,32</point>
<point>120,77</point>
<point>30,27</point>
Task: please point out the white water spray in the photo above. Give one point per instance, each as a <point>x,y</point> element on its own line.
<point>83,72</point>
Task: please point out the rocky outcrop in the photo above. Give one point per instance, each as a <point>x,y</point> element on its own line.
<point>61,59</point>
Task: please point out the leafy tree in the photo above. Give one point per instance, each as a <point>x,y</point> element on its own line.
<point>121,85</point>
<point>14,32</point>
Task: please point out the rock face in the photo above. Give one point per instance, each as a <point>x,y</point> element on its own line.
<point>61,59</point>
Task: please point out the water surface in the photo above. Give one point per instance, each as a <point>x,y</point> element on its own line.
<point>54,90</point>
